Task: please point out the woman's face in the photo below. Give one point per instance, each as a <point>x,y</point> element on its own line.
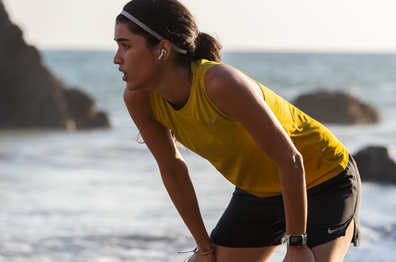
<point>135,60</point>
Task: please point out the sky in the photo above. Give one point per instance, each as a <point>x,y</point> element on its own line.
<point>357,26</point>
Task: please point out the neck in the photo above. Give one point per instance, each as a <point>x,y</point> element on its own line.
<point>174,86</point>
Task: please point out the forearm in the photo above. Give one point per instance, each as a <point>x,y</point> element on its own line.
<point>295,201</point>
<point>181,191</point>
<point>294,197</point>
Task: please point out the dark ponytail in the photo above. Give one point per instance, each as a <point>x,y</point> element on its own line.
<point>173,21</point>
<point>207,47</point>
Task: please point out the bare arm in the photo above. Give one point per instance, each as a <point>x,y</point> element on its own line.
<point>239,96</point>
<point>172,166</point>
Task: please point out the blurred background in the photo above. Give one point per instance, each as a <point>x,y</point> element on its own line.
<point>76,192</point>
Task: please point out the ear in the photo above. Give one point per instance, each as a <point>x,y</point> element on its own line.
<point>164,45</point>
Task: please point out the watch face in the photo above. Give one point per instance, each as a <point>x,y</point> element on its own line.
<point>296,241</point>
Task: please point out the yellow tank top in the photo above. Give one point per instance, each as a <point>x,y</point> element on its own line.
<point>219,138</point>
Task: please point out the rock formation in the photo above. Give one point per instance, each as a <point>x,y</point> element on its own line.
<point>30,96</point>
<point>375,164</point>
<point>336,108</point>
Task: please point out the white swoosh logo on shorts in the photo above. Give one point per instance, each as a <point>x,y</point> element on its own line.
<point>211,123</point>
<point>332,231</point>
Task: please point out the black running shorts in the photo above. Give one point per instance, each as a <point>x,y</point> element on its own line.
<point>251,221</point>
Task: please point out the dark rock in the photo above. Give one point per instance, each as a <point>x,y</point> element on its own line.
<point>30,96</point>
<point>337,108</point>
<point>375,164</point>
<point>82,110</point>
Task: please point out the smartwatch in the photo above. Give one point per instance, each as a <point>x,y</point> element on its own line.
<point>296,240</point>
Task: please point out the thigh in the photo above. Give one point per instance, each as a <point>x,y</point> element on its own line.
<point>333,207</point>
<point>335,250</point>
<point>255,254</point>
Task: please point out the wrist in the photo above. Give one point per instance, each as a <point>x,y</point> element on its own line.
<point>203,246</point>
<point>197,252</point>
<point>204,251</point>
<point>296,240</point>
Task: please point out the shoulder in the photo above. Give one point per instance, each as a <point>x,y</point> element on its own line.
<point>225,84</point>
<point>221,75</point>
<point>221,78</point>
<point>136,99</point>
<point>224,77</point>
<point>134,96</point>
<point>138,104</point>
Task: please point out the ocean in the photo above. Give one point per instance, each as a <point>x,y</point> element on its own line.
<point>97,196</point>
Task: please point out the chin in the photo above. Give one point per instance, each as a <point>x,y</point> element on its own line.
<point>129,86</point>
<point>132,87</point>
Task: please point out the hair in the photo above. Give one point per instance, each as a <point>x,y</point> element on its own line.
<point>174,22</point>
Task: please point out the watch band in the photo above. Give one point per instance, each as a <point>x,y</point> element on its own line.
<point>296,240</point>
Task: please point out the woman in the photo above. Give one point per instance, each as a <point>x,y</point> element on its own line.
<point>295,181</point>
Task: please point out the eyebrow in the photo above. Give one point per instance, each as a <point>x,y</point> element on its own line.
<point>121,40</point>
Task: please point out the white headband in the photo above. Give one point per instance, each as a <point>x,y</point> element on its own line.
<point>150,31</point>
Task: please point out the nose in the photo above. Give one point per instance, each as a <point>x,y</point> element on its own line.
<point>117,58</point>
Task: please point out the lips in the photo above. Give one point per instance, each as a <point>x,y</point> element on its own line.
<point>125,74</point>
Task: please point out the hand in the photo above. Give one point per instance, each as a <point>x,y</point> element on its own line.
<point>297,254</point>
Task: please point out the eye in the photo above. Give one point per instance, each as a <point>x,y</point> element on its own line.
<point>125,46</point>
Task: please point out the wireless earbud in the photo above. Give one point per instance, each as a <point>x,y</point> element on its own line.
<point>163,52</point>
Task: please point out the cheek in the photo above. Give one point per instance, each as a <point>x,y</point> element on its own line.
<point>133,59</point>
<point>139,63</point>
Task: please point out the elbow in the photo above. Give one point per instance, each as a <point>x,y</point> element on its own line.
<point>174,172</point>
<point>298,162</point>
<point>293,164</point>
<point>292,174</point>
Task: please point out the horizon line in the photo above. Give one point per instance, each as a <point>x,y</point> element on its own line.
<point>240,50</point>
